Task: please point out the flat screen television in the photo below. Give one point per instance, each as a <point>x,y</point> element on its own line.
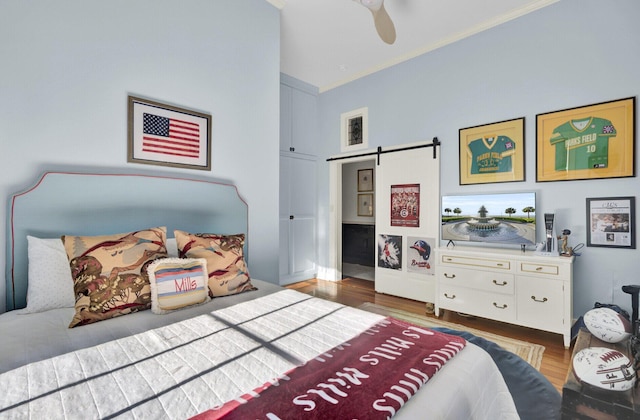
<point>501,218</point>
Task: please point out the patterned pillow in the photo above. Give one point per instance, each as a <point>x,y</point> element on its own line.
<point>109,272</point>
<point>228,273</point>
<point>177,283</point>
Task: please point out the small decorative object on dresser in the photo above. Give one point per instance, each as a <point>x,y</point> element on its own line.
<point>564,242</point>
<point>507,285</point>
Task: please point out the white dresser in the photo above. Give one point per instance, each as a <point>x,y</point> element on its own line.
<point>507,285</point>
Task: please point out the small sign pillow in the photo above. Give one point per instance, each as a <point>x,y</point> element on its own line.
<point>228,273</point>
<point>177,283</point>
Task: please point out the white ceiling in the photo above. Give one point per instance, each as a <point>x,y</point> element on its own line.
<point>331,42</point>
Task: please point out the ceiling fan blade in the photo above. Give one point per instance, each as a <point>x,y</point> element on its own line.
<point>381,19</point>
<point>384,25</point>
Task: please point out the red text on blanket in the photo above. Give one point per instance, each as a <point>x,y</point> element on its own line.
<point>391,349</point>
<point>185,284</point>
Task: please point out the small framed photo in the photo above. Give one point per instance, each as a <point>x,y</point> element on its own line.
<point>589,142</point>
<point>161,134</point>
<point>390,251</point>
<point>365,205</point>
<point>611,223</point>
<point>365,180</point>
<point>492,152</point>
<point>354,130</point>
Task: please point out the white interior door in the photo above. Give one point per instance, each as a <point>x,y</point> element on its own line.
<point>401,268</point>
<point>297,219</point>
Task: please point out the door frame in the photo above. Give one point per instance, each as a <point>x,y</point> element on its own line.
<point>333,271</point>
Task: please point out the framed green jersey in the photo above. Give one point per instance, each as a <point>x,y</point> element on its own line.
<point>492,152</point>
<point>582,143</point>
<point>590,142</point>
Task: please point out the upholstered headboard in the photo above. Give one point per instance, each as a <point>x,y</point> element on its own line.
<point>61,203</point>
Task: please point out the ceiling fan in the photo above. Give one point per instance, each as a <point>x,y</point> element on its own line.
<point>381,19</point>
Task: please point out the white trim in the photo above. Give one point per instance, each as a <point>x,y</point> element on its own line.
<point>333,271</point>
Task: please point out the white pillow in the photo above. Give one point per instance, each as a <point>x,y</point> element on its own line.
<point>50,282</point>
<point>172,248</point>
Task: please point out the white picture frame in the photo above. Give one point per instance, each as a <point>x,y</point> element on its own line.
<point>354,130</point>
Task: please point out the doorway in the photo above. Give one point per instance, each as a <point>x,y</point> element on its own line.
<point>358,219</point>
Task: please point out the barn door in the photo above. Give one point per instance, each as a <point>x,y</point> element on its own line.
<point>407,222</point>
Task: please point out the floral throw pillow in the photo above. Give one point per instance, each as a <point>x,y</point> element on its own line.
<point>228,273</point>
<point>110,272</point>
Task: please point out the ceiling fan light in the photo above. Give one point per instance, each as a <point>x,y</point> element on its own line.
<point>371,4</point>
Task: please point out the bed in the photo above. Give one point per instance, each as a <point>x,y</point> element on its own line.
<point>252,352</point>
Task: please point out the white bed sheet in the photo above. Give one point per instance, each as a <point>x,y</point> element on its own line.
<point>469,386</point>
<point>32,337</point>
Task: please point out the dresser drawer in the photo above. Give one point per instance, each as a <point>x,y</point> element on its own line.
<point>490,281</point>
<point>496,264</point>
<point>543,269</point>
<point>541,303</point>
<point>476,302</point>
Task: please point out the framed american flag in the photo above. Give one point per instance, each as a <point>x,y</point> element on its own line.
<point>162,134</point>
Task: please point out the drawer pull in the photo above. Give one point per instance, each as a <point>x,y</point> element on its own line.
<point>450,276</point>
<point>449,297</point>
<point>504,283</point>
<point>539,300</point>
<point>500,306</point>
<point>499,264</point>
<point>539,268</point>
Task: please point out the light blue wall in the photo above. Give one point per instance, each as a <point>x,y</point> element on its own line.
<point>68,66</point>
<point>572,53</point>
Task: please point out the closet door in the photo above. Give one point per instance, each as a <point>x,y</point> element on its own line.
<point>297,219</point>
<point>407,214</point>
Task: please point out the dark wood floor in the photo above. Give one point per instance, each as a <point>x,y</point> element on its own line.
<point>354,292</point>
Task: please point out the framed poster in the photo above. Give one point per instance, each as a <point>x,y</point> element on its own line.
<point>365,205</point>
<point>405,205</point>
<point>588,142</point>
<point>390,251</point>
<point>492,152</point>
<point>365,180</point>
<point>610,222</point>
<point>161,134</point>
<point>419,255</point>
